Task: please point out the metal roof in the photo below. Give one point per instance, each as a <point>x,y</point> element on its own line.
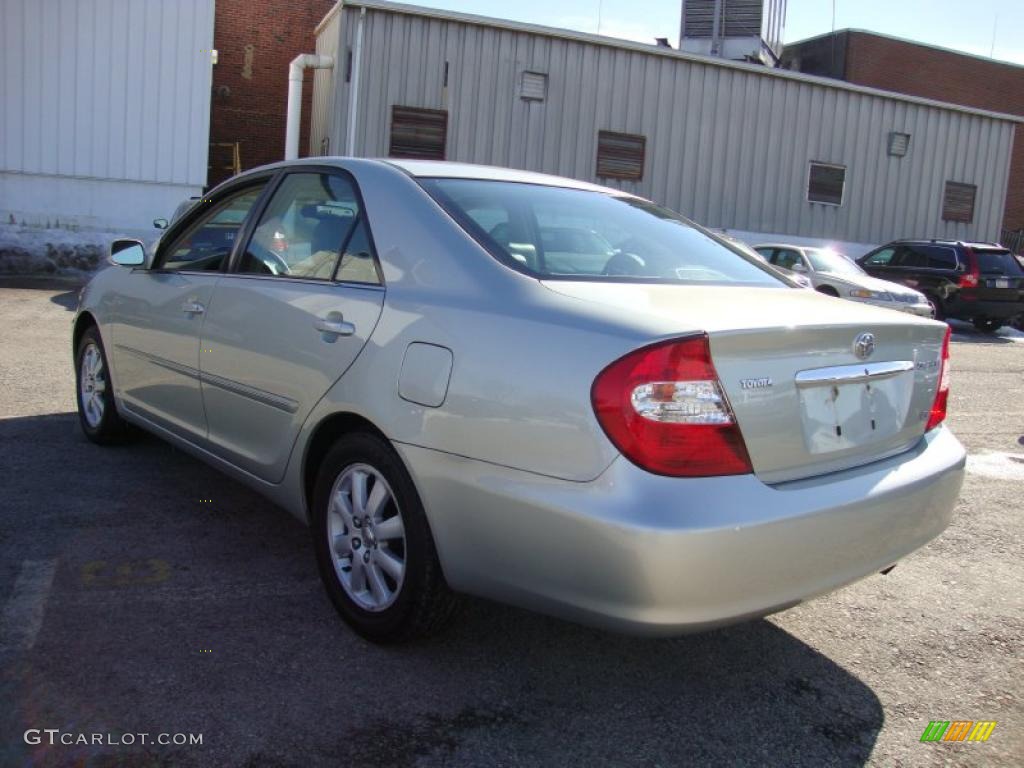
<point>653,50</point>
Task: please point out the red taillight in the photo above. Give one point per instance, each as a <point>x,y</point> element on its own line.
<point>938,412</point>
<point>664,409</point>
<point>973,276</point>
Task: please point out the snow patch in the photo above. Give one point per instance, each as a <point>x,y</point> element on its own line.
<point>27,250</point>
<point>1001,466</point>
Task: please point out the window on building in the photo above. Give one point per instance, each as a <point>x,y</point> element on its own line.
<point>958,202</point>
<point>533,86</point>
<point>418,133</point>
<point>620,155</point>
<point>826,183</point>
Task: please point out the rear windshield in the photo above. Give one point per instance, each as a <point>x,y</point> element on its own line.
<point>998,263</point>
<point>558,233</point>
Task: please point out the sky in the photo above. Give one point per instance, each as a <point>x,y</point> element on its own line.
<point>971,26</point>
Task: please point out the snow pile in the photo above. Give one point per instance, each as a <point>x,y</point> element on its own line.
<point>53,250</point>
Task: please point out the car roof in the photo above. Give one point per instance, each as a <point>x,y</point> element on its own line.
<point>784,245</point>
<point>442,169</point>
<point>953,243</point>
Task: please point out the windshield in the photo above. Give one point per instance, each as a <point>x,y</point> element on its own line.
<point>824,260</point>
<point>558,233</point>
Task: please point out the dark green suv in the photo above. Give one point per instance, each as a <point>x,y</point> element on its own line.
<point>980,282</point>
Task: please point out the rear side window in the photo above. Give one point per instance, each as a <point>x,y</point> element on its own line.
<point>786,258</point>
<point>997,263</point>
<point>559,233</point>
<point>938,257</point>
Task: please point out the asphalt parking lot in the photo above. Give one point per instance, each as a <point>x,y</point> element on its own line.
<point>143,592</point>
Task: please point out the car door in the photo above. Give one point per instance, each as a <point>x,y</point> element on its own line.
<point>158,316</point>
<point>298,304</point>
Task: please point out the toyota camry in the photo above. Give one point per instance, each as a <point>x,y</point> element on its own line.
<point>541,391</point>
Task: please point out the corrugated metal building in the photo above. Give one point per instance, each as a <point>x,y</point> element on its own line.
<point>735,146</point>
<point>105,109</point>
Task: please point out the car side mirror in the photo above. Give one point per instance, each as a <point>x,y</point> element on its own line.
<point>128,253</point>
<point>160,223</point>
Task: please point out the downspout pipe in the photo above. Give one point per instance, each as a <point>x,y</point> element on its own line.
<point>299,64</point>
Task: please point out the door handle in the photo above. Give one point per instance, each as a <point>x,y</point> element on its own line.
<point>193,308</point>
<point>334,326</point>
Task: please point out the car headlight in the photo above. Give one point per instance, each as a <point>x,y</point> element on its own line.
<point>864,293</point>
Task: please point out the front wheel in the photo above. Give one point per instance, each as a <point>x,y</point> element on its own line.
<point>938,313</point>
<point>828,290</point>
<point>374,548</point>
<point>986,325</point>
<point>97,412</point>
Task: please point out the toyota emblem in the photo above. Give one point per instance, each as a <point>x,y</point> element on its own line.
<point>864,345</point>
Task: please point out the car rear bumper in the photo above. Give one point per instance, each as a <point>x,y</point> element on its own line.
<point>995,310</point>
<point>655,555</point>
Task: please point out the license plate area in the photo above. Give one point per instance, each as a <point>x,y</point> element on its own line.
<point>1001,282</point>
<point>848,407</point>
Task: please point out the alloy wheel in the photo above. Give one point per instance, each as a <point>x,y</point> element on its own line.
<point>366,536</point>
<point>92,385</point>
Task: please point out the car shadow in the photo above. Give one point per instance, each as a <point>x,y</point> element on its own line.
<point>966,332</point>
<point>183,601</point>
<point>69,287</point>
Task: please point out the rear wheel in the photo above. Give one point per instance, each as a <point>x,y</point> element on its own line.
<point>374,548</point>
<point>97,412</point>
<point>986,325</point>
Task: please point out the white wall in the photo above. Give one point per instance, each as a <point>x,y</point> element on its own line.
<point>105,109</point>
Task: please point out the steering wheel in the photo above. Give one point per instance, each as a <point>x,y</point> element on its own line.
<point>267,258</point>
<point>625,264</point>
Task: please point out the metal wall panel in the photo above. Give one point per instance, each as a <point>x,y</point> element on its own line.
<point>106,89</point>
<point>323,90</point>
<point>727,145</point>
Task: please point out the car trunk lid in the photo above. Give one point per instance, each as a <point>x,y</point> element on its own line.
<point>999,274</point>
<point>806,402</point>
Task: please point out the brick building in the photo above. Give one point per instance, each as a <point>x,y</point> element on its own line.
<point>255,41</point>
<point>878,61</point>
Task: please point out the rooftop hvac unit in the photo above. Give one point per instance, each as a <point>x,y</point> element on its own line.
<point>749,30</point>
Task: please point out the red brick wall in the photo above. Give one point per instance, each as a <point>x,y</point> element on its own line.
<point>248,103</point>
<point>919,70</point>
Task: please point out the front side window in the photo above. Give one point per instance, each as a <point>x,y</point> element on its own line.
<point>207,243</point>
<point>882,258</point>
<point>307,223</point>
<point>559,233</point>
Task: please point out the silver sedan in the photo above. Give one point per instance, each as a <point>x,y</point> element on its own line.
<point>833,274</point>
<point>561,396</point>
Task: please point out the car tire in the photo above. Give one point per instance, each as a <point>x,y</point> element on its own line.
<point>938,313</point>
<point>828,290</point>
<point>373,544</point>
<point>986,325</point>
<point>94,393</point>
